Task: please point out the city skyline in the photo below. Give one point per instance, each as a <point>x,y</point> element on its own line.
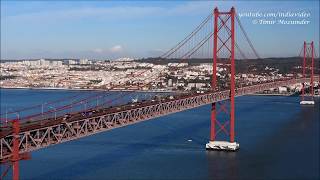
<point>107,30</point>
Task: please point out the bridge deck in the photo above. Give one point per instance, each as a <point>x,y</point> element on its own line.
<point>44,133</point>
<point>26,125</point>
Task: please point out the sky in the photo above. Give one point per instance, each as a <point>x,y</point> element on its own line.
<point>113,29</point>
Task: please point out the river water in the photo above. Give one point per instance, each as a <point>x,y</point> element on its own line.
<point>278,139</point>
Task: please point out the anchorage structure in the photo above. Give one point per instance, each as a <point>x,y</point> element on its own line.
<point>308,69</point>
<point>223,47</point>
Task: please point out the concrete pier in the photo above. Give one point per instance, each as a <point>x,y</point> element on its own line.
<point>222,145</point>
<point>307,102</point>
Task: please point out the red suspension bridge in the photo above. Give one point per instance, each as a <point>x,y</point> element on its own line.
<point>32,128</point>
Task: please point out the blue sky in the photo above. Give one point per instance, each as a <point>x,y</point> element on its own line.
<point>109,29</point>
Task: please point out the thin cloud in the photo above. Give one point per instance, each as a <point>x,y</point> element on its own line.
<point>98,50</point>
<point>113,49</point>
<point>108,13</point>
<point>116,49</point>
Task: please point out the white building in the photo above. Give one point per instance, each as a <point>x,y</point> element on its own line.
<point>177,64</point>
<point>44,62</point>
<point>84,61</point>
<point>170,83</point>
<point>283,89</point>
<point>56,63</point>
<point>71,62</point>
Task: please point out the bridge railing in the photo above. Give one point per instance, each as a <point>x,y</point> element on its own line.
<point>37,138</point>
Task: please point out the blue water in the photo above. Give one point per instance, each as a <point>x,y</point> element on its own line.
<point>278,139</point>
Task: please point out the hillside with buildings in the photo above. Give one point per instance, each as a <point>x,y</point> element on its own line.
<point>144,74</point>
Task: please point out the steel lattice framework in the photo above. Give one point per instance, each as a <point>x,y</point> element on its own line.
<point>308,67</point>
<point>34,139</point>
<point>18,140</point>
<point>223,21</point>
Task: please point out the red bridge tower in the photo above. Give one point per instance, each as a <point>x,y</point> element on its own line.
<point>223,47</point>
<point>308,69</point>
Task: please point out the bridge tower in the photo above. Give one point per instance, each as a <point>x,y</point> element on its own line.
<point>16,156</point>
<point>308,67</point>
<point>223,45</point>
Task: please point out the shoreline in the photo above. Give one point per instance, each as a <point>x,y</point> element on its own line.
<point>128,90</point>
<point>273,94</point>
<point>75,89</point>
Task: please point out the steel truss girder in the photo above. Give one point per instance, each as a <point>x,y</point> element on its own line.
<point>43,137</point>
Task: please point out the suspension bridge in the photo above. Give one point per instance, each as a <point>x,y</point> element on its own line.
<point>32,128</point>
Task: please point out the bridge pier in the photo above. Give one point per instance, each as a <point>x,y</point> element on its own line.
<point>222,146</point>
<point>307,102</point>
